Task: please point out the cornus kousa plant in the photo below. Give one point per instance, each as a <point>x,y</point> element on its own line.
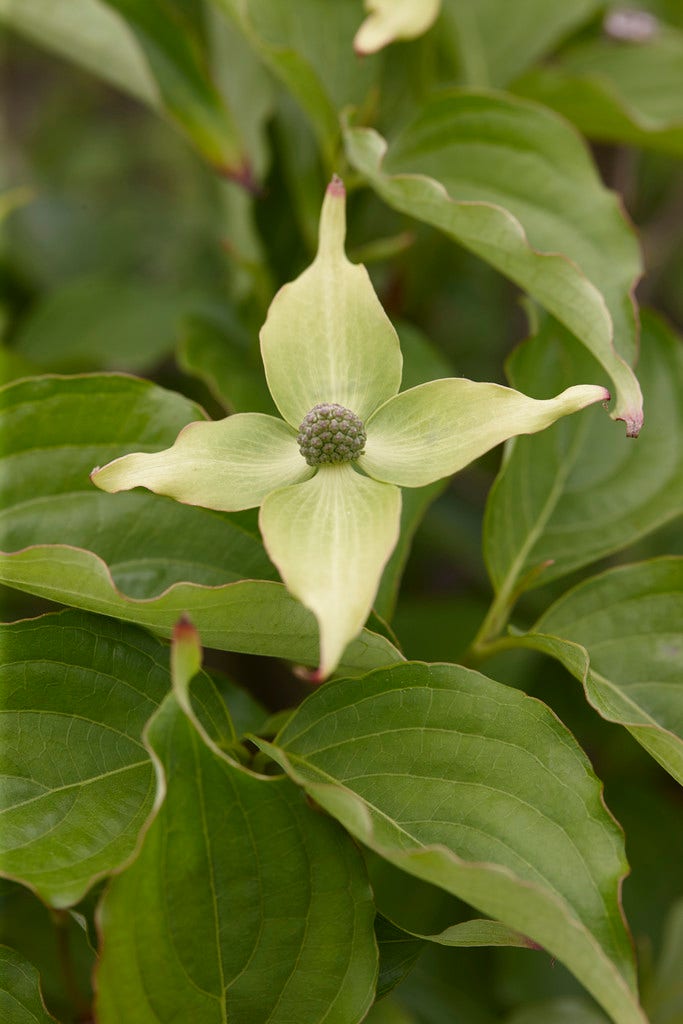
<point>351,691</point>
<point>327,476</point>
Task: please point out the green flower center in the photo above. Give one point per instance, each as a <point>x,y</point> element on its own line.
<point>331,433</point>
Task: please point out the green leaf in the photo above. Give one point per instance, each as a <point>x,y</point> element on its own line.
<point>88,33</point>
<point>310,49</point>
<point>580,491</point>
<point>213,724</point>
<point>398,951</point>
<point>481,932</point>
<point>326,337</point>
<point>13,366</point>
<point>77,785</point>
<point>228,465</point>
<point>618,92</point>
<point>272,913</point>
<point>475,787</point>
<point>40,934</point>
<point>664,997</point>
<point>621,635</point>
<point>558,1011</point>
<point>220,357</point>
<point>245,85</point>
<point>512,183</point>
<point>96,322</point>
<point>246,713</point>
<point>438,428</point>
<point>21,1001</point>
<point>55,430</point>
<point>251,616</point>
<point>390,1012</point>
<point>414,504</point>
<point>330,539</point>
<point>494,57</point>
<point>389,20</point>
<point>421,362</point>
<point>173,52</point>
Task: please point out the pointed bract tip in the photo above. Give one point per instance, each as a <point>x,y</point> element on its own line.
<point>634,422</point>
<point>314,676</point>
<point>184,630</point>
<point>336,187</point>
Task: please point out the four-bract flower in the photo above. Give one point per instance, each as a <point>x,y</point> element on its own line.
<point>330,498</point>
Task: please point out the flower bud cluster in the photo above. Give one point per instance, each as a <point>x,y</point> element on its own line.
<point>331,433</point>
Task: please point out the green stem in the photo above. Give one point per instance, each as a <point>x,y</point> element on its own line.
<point>488,639</point>
<point>82,1011</point>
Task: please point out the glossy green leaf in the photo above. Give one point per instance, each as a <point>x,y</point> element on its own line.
<point>246,712</point>
<point>438,428</point>
<point>490,56</point>
<point>88,33</point>
<point>398,952</point>
<point>558,1011</point>
<point>310,49</point>
<point>389,20</point>
<point>330,539</point>
<point>55,430</point>
<point>14,366</point>
<point>21,1001</point>
<point>326,337</point>
<point>77,784</point>
<point>228,465</point>
<point>621,635</point>
<point>387,1011</point>
<point>96,322</point>
<point>422,361</point>
<point>251,616</point>
<point>664,996</point>
<point>213,724</point>
<point>173,52</point>
<point>246,87</point>
<point>512,183</point>
<point>618,92</point>
<point>479,789</point>
<point>272,914</point>
<point>481,932</point>
<point>32,929</point>
<point>400,949</point>
<point>581,490</point>
<point>414,504</point>
<point>220,357</point>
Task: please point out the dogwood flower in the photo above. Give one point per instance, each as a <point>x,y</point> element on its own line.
<point>327,476</point>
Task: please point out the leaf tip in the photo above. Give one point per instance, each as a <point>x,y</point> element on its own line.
<point>186,654</point>
<point>242,174</point>
<point>332,232</point>
<point>633,418</point>
<point>313,676</point>
<point>336,187</point>
<point>184,630</point>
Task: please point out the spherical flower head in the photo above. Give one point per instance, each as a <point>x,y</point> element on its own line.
<point>331,433</point>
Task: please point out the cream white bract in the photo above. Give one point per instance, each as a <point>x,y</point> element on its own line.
<point>331,526</point>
